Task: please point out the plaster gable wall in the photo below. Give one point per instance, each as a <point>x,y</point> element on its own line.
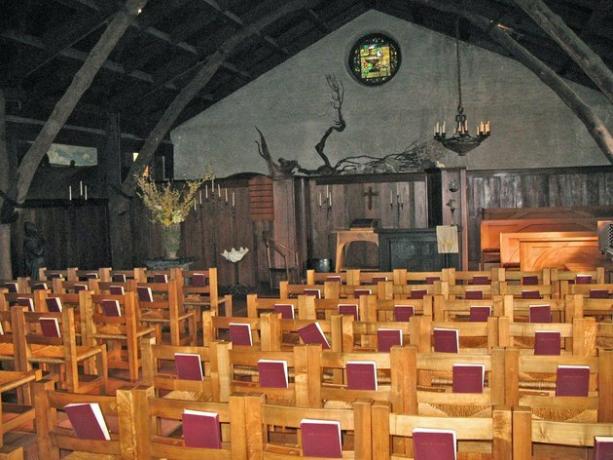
<point>290,104</point>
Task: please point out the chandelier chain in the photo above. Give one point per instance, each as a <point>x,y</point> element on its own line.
<point>457,53</point>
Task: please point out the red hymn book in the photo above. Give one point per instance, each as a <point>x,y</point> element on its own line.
<point>54,304</point>
<point>273,373</point>
<point>350,310</point>
<point>240,334</point>
<point>603,447</point>
<point>432,444</point>
<point>87,421</point>
<point>388,338</point>
<point>201,429</point>
<point>480,313</point>
<point>312,334</point>
<point>468,378</point>
<point>572,380</point>
<point>111,307</point>
<point>403,312</point>
<point>361,375</point>
<point>50,327</point>
<point>286,310</point>
<point>547,343</point>
<point>188,366</point>
<point>539,314</point>
<point>321,438</point>
<point>446,340</point>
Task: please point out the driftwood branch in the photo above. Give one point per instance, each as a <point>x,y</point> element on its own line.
<point>565,37</point>
<point>203,76</point>
<point>594,125</point>
<point>80,83</point>
<point>336,100</point>
<point>264,152</point>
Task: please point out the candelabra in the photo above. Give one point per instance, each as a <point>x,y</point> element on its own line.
<point>461,142</point>
<point>82,192</point>
<point>397,201</point>
<point>326,202</point>
<point>216,200</point>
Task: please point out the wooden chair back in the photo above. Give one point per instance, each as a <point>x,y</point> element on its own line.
<point>151,415</point>
<point>459,309</point>
<point>355,423</point>
<point>474,337</point>
<point>530,381</point>
<point>545,291</point>
<point>455,277</point>
<point>54,434</point>
<point>518,310</point>
<point>537,438</point>
<point>159,371</point>
<point>478,437</point>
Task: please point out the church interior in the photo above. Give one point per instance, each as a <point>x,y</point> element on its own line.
<point>278,229</point>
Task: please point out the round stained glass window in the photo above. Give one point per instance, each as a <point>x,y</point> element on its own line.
<point>374,59</point>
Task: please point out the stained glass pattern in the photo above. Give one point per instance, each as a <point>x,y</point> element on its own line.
<point>374,59</point>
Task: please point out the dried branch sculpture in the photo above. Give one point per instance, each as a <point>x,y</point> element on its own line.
<point>416,157</point>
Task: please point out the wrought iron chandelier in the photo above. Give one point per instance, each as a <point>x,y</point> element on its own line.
<point>461,142</point>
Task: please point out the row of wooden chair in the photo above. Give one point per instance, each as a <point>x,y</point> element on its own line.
<point>144,426</point>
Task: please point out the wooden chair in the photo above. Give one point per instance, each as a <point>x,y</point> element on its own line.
<point>120,334</point>
<point>19,286</point>
<point>288,291</point>
<point>530,382</point>
<point>167,310</point>
<point>455,277</point>
<point>538,439</point>
<point>601,309</point>
<point>274,431</point>
<point>15,414</point>
<point>545,291</point>
<point>402,277</point>
<point>159,371</point>
<point>518,309</point>
<point>563,280</point>
<point>313,277</point>
<point>517,277</point>
<point>69,274</point>
<point>62,353</point>
<point>151,414</point>
<point>244,376</point>
<point>464,291</point>
<point>201,291</point>
<point>55,435</point>
<point>474,337</point>
<point>579,336</point>
<point>430,384</point>
<point>362,335</point>
<point>459,309</point>
<point>479,437</point>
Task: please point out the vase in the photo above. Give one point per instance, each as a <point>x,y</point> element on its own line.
<point>171,240</point>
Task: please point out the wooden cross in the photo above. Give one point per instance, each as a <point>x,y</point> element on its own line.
<point>370,194</point>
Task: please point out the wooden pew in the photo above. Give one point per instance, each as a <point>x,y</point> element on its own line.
<point>478,437</point>
<point>15,415</point>
<point>150,414</point>
<point>518,277</point>
<point>61,353</point>
<point>464,291</point>
<point>55,434</point>
<point>160,373</point>
<point>402,277</point>
<point>484,277</point>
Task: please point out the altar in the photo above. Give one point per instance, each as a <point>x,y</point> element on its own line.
<point>414,249</point>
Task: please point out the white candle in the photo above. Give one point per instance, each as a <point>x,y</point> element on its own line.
<point>330,200</point>
<point>206,191</point>
<point>226,194</point>
<point>327,191</point>
<point>320,199</point>
<point>80,188</point>
<point>391,197</point>
<point>436,129</point>
<point>213,186</point>
<point>233,200</point>
<point>200,196</point>
<point>218,191</point>
<point>86,193</point>
<point>443,127</point>
<point>70,193</point>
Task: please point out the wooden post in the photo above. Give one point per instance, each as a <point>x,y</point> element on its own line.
<point>80,83</point>
<point>6,269</point>
<point>198,82</point>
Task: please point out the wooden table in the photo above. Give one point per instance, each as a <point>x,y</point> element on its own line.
<point>345,237</point>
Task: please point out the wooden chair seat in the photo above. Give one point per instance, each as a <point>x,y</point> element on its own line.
<point>55,354</point>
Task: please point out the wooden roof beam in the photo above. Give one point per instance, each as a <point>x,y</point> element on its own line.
<point>233,18</point>
<point>315,19</point>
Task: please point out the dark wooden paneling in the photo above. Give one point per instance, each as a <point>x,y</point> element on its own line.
<point>76,235</point>
<point>563,187</point>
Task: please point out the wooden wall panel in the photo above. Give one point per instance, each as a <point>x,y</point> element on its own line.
<point>559,187</point>
<point>75,234</point>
